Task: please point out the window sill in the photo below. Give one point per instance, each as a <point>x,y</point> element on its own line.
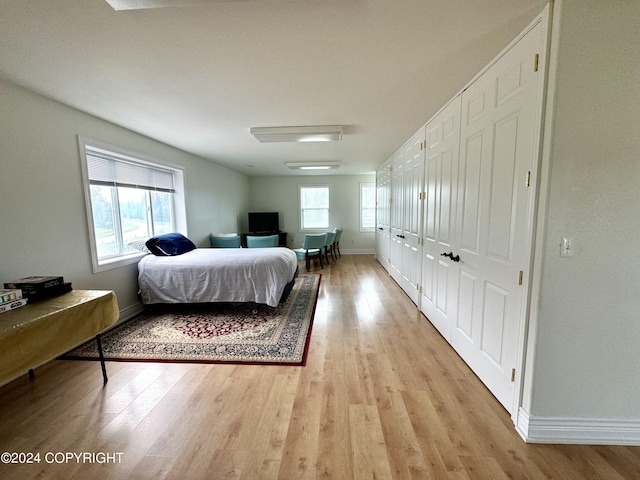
<point>110,264</point>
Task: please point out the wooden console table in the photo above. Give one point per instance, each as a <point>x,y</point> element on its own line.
<point>38,332</point>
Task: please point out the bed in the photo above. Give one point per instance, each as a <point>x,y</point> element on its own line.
<point>260,275</point>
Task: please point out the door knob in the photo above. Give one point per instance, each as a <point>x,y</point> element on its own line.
<point>451,256</point>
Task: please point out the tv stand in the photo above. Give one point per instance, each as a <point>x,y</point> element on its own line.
<point>282,237</point>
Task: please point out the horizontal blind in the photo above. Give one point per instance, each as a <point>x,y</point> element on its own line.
<point>110,170</point>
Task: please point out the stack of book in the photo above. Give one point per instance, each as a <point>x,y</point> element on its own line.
<point>11,298</point>
<point>40,287</point>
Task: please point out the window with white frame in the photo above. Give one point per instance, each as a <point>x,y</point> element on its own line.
<point>314,207</point>
<point>367,207</point>
<point>129,200</point>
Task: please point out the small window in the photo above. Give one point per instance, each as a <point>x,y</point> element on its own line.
<point>314,207</point>
<point>367,207</point>
<point>129,200</point>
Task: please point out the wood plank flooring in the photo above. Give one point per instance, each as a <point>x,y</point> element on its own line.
<point>382,396</point>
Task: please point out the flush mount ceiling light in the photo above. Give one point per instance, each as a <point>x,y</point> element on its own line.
<point>313,165</point>
<point>320,133</point>
<point>143,4</point>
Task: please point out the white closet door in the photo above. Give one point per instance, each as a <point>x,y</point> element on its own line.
<point>383,227</point>
<point>495,212</point>
<point>412,178</point>
<point>396,217</point>
<point>439,273</point>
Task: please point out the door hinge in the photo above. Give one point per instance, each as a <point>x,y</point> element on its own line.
<point>520,275</point>
<point>528,180</point>
<point>420,241</point>
<point>420,288</point>
<point>422,196</point>
<point>513,374</point>
<point>536,59</point>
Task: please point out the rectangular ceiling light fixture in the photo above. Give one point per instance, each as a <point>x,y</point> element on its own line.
<point>143,4</point>
<point>320,133</point>
<point>313,165</point>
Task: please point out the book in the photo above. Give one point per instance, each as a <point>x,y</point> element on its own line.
<point>35,284</point>
<point>9,294</point>
<point>53,291</point>
<point>5,307</point>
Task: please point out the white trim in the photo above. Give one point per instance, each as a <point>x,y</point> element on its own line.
<point>300,223</point>
<point>544,19</point>
<point>179,210</point>
<point>131,311</point>
<point>361,208</point>
<point>359,251</point>
<point>575,430</point>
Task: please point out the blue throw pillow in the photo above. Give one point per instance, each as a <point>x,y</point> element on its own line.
<point>169,244</point>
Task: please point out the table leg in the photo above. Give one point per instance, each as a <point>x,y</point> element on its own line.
<point>104,368</point>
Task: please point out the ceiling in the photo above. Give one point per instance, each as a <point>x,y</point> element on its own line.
<point>200,75</point>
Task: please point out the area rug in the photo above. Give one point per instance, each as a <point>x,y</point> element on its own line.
<point>247,333</point>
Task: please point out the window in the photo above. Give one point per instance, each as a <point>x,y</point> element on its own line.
<point>128,200</point>
<point>367,207</point>
<point>314,207</point>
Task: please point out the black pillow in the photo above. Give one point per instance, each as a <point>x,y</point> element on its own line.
<point>169,244</point>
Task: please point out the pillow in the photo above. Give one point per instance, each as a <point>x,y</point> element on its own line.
<point>139,245</point>
<point>169,244</point>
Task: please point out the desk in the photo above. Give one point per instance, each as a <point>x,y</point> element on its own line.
<point>38,332</point>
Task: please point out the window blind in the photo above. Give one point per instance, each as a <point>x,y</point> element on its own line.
<point>110,170</point>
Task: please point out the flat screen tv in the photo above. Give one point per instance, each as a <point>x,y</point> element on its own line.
<point>263,222</point>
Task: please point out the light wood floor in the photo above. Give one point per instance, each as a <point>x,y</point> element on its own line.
<point>382,396</point>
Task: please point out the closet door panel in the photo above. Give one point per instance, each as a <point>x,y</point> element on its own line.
<point>439,301</point>
<point>446,202</point>
<point>413,178</point>
<point>498,135</point>
<point>503,188</point>
<point>430,198</point>
<point>396,217</point>
<point>470,165</point>
<point>383,227</point>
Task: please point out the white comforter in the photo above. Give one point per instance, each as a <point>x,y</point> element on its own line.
<point>217,275</point>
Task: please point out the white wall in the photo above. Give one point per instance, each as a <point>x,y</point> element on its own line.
<point>43,222</point>
<point>281,194</point>
<point>584,355</point>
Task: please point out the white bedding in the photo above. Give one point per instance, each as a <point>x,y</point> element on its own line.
<point>217,275</point>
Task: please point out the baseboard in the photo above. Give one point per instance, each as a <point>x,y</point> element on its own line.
<point>131,311</point>
<point>572,430</point>
<point>364,251</point>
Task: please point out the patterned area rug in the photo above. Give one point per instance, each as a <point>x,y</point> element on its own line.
<point>215,333</point>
